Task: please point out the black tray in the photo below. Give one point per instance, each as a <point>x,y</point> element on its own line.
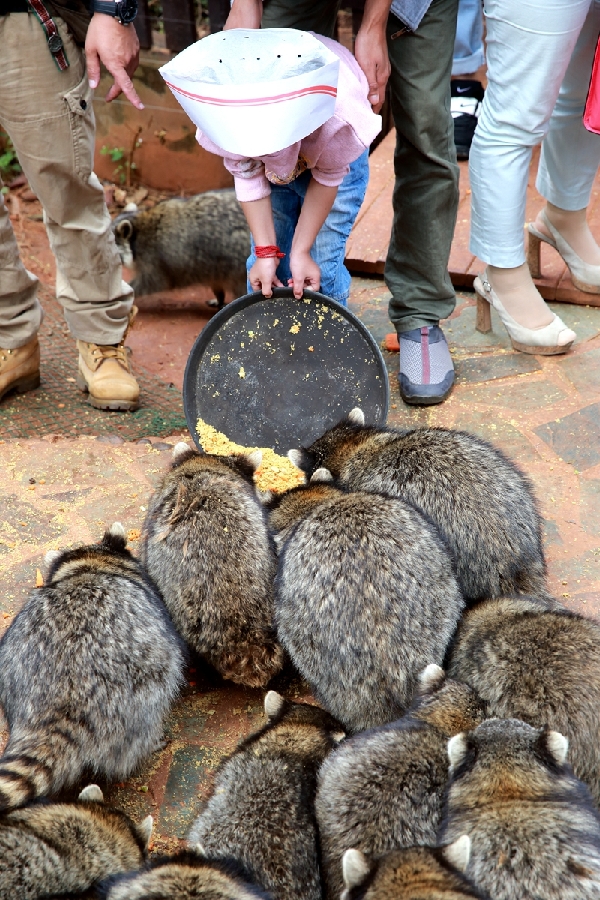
<point>278,372</point>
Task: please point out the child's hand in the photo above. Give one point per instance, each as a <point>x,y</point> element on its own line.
<point>305,273</point>
<point>262,276</point>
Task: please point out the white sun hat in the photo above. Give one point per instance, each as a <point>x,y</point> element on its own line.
<point>255,91</point>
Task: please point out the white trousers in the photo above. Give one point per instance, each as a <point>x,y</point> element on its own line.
<point>539,56</point>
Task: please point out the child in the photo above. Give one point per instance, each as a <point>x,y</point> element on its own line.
<point>288,112</point>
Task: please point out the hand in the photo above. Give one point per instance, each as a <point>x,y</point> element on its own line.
<point>244,14</point>
<point>370,50</point>
<point>262,276</point>
<point>118,48</point>
<point>305,273</point>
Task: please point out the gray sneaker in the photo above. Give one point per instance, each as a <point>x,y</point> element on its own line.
<point>426,373</point>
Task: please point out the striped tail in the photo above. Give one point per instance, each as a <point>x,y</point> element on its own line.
<point>23,777</point>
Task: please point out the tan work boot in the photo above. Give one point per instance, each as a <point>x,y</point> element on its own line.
<point>20,368</point>
<point>105,373</point>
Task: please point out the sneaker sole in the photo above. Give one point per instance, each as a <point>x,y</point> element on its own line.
<point>426,401</point>
<point>22,385</point>
<point>109,405</point>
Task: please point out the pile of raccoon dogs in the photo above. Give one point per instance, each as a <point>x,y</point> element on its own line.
<point>453,750</point>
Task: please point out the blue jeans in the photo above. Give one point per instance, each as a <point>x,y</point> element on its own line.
<point>468,46</point>
<point>329,248</point>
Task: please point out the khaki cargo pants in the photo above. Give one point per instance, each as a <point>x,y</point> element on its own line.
<point>48,115</point>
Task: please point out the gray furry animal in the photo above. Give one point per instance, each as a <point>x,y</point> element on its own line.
<point>366,596</point>
<point>55,848</point>
<point>383,789</point>
<point>261,812</point>
<point>535,834</point>
<point>482,504</point>
<point>538,664</point>
<point>202,240</point>
<point>88,670</point>
<point>206,544</point>
<point>415,873</point>
<point>185,876</point>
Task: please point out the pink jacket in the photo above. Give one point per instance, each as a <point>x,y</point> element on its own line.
<point>327,152</point>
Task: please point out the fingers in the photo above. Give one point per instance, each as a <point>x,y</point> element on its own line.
<point>93,67</point>
<point>373,97</point>
<point>123,84</point>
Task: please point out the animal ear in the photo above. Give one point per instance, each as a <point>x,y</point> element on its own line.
<point>302,459</point>
<point>355,868</point>
<point>145,830</point>
<point>431,679</point>
<point>459,852</point>
<point>356,416</point>
<point>557,745</point>
<point>338,736</point>
<point>273,704</point>
<point>254,459</point>
<point>457,749</point>
<point>92,792</point>
<point>264,497</point>
<point>50,557</point>
<point>124,229</point>
<point>115,538</point>
<point>296,457</point>
<point>179,449</point>
<point>321,475</point>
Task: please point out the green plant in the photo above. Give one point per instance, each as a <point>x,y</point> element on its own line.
<point>124,158</point>
<point>9,162</point>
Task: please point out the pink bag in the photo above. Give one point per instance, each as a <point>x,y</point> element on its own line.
<point>591,113</point>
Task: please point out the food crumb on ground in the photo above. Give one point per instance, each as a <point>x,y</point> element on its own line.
<point>275,473</point>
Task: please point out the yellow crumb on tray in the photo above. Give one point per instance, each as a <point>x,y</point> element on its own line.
<point>275,473</point>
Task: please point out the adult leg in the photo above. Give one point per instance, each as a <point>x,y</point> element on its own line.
<point>516,111</point>
<point>426,187</point>
<point>425,201</point>
<point>48,114</point>
<point>20,315</point>
<point>571,155</point>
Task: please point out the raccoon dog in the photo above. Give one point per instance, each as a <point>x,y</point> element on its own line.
<point>383,789</point>
<point>88,671</point>
<point>416,873</point>
<point>535,834</point>
<point>366,596</point>
<point>55,848</point>
<point>261,812</point>
<point>538,664</point>
<point>482,504</point>
<point>206,544</point>
<point>202,240</point>
<point>186,876</point>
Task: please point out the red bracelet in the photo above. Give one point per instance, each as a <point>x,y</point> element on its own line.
<point>271,251</point>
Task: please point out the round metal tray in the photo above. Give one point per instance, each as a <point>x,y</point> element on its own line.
<point>279,372</point>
